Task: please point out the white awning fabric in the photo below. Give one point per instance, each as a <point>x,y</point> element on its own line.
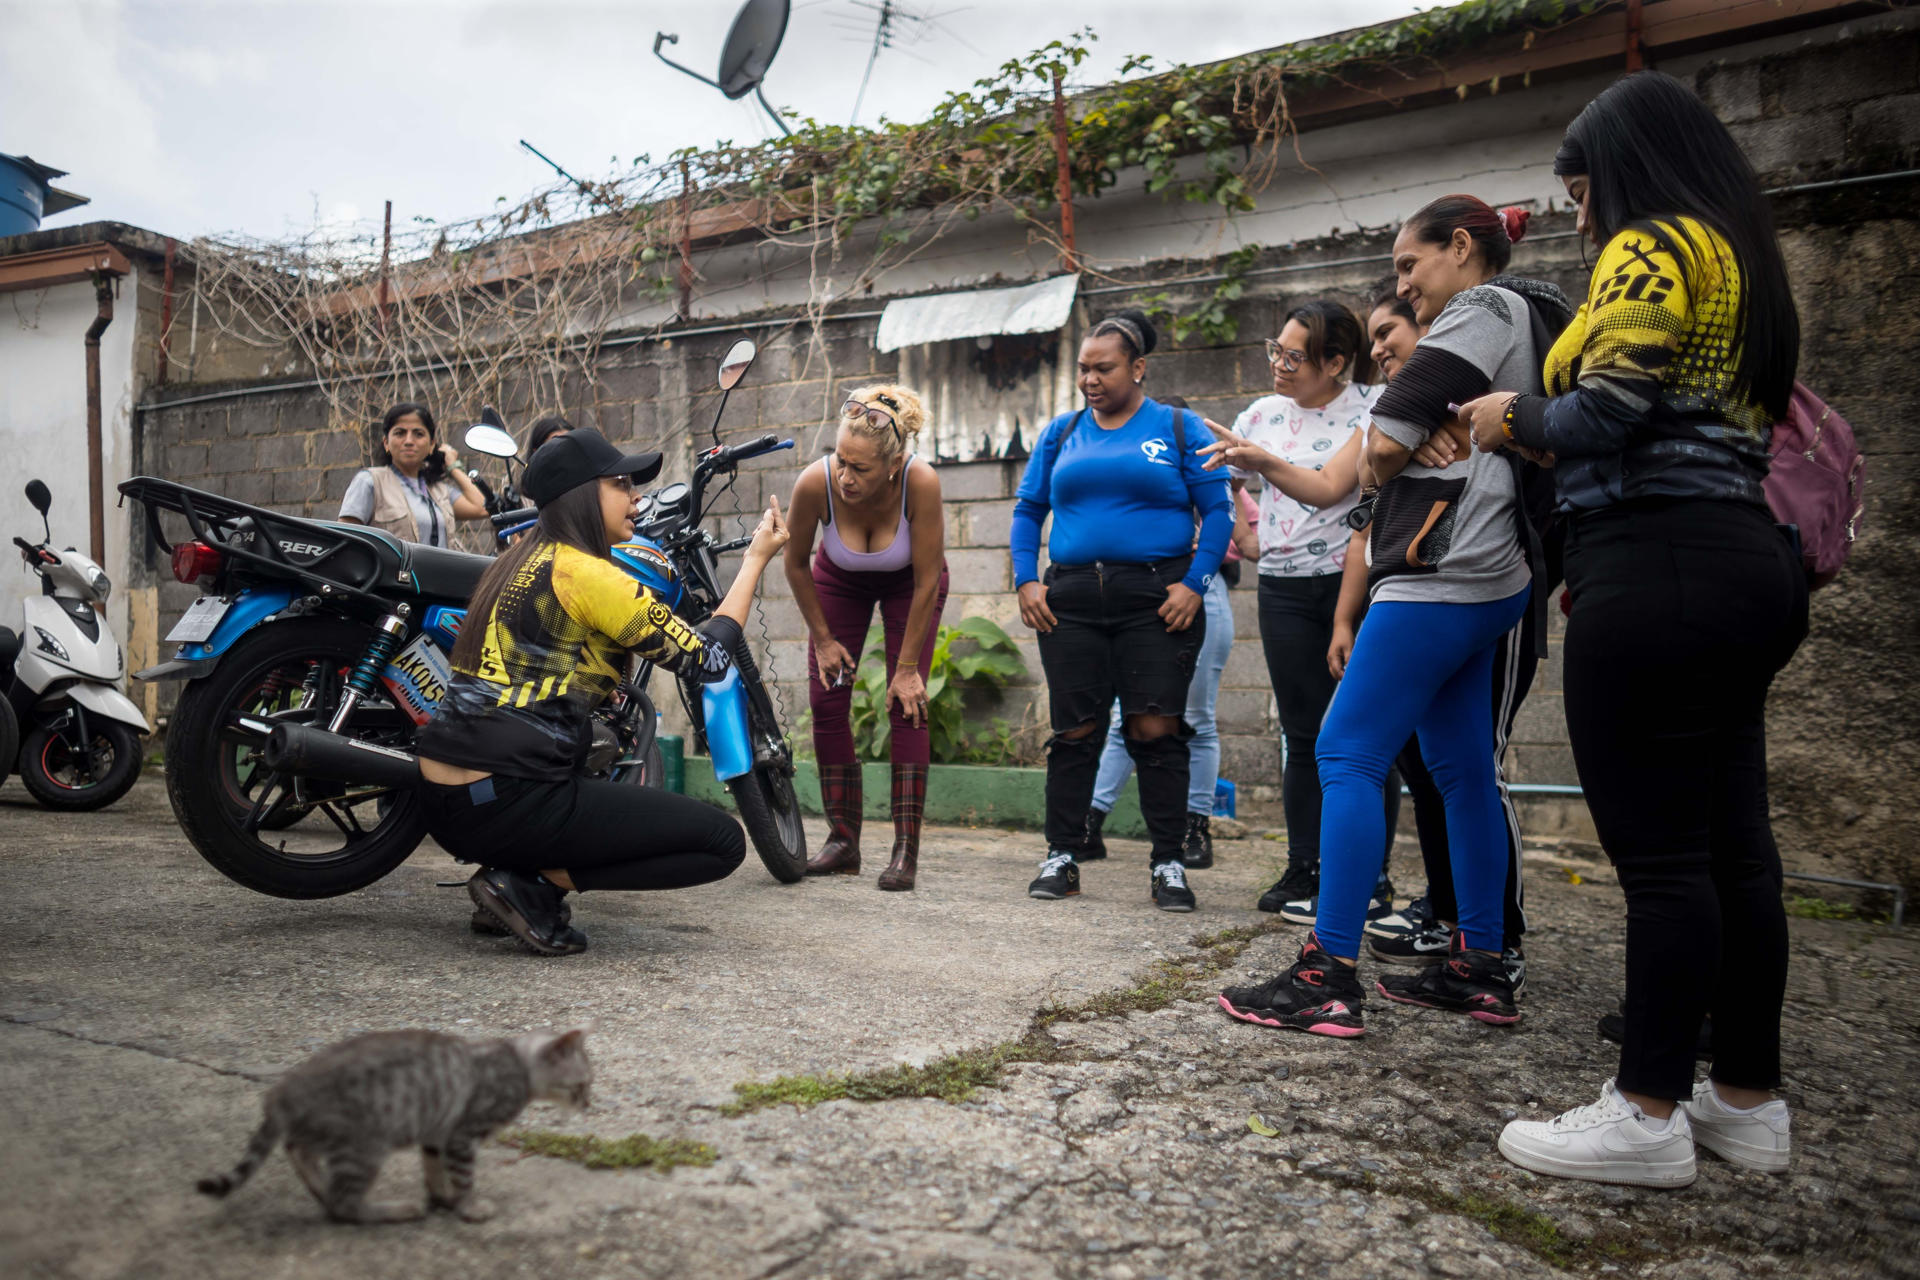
<point>942,317</point>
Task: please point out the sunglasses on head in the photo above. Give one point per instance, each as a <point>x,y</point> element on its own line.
<point>875,416</point>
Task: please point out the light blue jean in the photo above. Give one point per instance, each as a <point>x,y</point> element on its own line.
<point>1203,751</point>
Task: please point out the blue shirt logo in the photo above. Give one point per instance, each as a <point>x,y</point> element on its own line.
<point>1154,449</point>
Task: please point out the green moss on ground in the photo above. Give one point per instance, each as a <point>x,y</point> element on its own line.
<point>635,1151</point>
<point>955,1076</point>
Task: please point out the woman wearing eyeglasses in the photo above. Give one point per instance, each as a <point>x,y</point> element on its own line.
<point>884,543</point>
<point>1304,442</point>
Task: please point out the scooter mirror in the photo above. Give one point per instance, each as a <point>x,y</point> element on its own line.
<point>733,366</point>
<point>491,440</point>
<point>42,498</point>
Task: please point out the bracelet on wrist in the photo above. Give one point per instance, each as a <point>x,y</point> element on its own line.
<point>1506,418</point>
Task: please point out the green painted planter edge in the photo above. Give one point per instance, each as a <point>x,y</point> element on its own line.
<point>963,794</point>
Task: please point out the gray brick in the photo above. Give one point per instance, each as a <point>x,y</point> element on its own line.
<point>630,382</point>
<point>1794,145</point>
<point>974,571</point>
<point>183,460</point>
<point>1886,129</point>
<point>1843,72</point>
<point>341,449</point>
<point>967,481</point>
<point>795,404</point>
<point>1246,668</point>
<point>1196,374</point>
<point>255,487</point>
<point>1243,711</point>
<point>270,453</point>
<point>1541,762</point>
<point>1542,720</point>
<point>986,524</point>
<point>1733,92</point>
<point>1250,761</point>
<point>297,486</point>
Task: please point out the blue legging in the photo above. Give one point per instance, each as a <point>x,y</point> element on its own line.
<point>1427,667</point>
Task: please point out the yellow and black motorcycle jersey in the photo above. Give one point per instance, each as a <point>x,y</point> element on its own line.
<point>555,646</point>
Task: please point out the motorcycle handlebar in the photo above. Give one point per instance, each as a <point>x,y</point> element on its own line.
<point>523,516</point>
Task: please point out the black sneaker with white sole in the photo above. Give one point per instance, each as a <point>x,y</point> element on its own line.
<point>1514,961</point>
<point>1411,935</point>
<point>1170,892</point>
<point>1416,915</point>
<point>1059,877</point>
<point>1301,881</point>
<point>1307,910</point>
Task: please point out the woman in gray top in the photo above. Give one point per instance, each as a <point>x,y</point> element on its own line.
<point>1448,575</point>
<point>420,491</point>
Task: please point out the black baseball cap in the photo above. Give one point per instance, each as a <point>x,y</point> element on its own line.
<point>567,462</point>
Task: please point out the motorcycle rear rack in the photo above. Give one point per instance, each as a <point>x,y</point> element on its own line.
<point>212,515</point>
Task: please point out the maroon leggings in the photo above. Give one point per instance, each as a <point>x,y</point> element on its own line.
<point>847,599</point>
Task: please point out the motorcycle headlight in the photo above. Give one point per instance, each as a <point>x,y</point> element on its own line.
<point>99,586</point>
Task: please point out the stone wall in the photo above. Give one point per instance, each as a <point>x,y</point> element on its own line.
<point>1840,721</point>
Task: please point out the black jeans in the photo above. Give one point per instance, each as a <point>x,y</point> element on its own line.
<point>1683,611</point>
<point>1296,630</point>
<point>1514,663</point>
<point>1109,642</point>
<point>605,835</point>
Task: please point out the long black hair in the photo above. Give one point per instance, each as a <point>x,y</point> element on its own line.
<point>1333,330</point>
<point>573,518</point>
<point>1651,150</point>
<point>434,469</point>
<point>544,430</point>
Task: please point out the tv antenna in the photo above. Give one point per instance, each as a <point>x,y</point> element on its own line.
<point>892,21</point>
<point>744,59</point>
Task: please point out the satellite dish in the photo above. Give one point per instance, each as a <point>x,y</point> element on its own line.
<point>750,46</point>
<point>755,37</point>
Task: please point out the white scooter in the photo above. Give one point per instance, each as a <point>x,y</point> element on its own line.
<point>79,735</point>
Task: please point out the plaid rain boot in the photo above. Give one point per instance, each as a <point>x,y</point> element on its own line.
<point>909,804</point>
<point>840,797</point>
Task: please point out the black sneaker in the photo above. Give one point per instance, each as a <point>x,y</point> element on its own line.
<point>1317,994</point>
<point>1196,849</point>
<point>1307,910</point>
<point>1059,877</point>
<point>1170,892</point>
<point>1298,884</point>
<point>1613,1026</point>
<point>1093,846</point>
<point>487,926</point>
<point>1470,982</point>
<point>1410,935</point>
<point>528,907</point>
<point>1514,961</point>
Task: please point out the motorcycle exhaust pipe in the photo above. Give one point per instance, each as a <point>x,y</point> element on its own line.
<point>306,752</point>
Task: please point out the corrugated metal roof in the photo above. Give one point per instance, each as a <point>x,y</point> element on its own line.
<point>942,317</point>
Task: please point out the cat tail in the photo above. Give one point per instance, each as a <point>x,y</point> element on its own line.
<point>259,1147</point>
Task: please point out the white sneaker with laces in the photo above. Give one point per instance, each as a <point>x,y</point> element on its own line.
<point>1606,1141</point>
<point>1753,1138</point>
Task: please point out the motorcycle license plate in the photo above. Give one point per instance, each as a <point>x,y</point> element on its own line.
<point>197,624</point>
<point>417,678</point>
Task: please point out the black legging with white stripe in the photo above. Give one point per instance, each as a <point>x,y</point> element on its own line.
<point>1514,662</point>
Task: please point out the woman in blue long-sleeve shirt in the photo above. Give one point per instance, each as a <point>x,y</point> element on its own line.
<point>1119,610</point>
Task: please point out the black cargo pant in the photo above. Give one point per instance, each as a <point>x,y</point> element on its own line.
<point>1109,642</point>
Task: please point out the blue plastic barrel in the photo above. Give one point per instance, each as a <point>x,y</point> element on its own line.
<point>23,198</point>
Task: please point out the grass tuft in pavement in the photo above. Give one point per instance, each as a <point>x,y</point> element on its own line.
<point>635,1151</point>
<point>955,1077</point>
<point>1530,1229</point>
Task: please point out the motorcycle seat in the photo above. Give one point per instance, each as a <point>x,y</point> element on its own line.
<point>440,572</point>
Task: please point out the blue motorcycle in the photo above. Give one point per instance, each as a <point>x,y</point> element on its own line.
<point>317,648</point>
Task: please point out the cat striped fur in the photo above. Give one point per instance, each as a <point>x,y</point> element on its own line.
<point>343,1111</point>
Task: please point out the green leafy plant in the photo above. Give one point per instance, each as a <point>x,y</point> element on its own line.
<point>973,653</point>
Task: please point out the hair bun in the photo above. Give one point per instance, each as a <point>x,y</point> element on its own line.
<point>1144,325</point>
<point>1514,219</point>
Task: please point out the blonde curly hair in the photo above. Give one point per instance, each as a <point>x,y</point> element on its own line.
<point>902,404</point>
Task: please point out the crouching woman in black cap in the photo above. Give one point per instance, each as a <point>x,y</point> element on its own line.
<point>545,640</point>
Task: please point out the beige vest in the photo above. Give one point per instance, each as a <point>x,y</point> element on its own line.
<point>392,511</point>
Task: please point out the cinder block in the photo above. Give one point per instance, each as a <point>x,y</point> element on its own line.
<point>1541,762</point>
<point>1732,92</point>
<point>1247,667</point>
<point>973,571</point>
<point>255,487</point>
<point>987,524</point>
<point>1794,144</point>
<point>782,616</point>
<point>1196,374</point>
<point>629,382</point>
<point>1542,720</point>
<point>1250,760</point>
<point>1845,71</point>
<point>184,460</point>
<point>344,449</point>
<point>972,481</point>
<point>796,405</point>
<point>1886,129</point>
<point>1243,711</point>
<point>274,452</point>
<point>297,486</point>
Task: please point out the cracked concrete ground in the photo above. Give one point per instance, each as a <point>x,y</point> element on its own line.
<point>146,1000</point>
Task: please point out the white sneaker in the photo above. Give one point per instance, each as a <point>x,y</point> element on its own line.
<point>1606,1141</point>
<point>1755,1138</point>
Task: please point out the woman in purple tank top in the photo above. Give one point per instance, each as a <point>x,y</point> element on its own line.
<point>884,543</point>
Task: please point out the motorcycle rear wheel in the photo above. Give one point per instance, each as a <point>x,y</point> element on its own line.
<point>63,776</point>
<point>769,808</point>
<point>212,768</point>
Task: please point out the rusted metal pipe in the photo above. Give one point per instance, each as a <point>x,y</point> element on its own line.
<point>686,242</point>
<point>386,257</point>
<point>1063,184</point>
<point>96,478</point>
<point>1634,60</point>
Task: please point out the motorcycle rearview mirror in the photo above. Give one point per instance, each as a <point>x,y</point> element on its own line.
<point>484,437</point>
<point>42,499</point>
<point>734,365</point>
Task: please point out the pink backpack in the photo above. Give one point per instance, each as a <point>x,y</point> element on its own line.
<point>1817,482</point>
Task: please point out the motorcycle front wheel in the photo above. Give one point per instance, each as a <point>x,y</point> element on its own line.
<point>75,777</point>
<point>769,808</point>
<point>346,836</point>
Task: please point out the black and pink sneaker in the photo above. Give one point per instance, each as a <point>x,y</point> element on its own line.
<point>1318,995</point>
<point>1471,982</point>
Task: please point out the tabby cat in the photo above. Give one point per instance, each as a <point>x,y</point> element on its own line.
<point>349,1106</point>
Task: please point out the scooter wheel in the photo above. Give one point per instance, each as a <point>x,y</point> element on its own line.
<point>74,777</point>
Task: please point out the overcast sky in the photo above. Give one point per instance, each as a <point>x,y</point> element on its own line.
<point>265,116</point>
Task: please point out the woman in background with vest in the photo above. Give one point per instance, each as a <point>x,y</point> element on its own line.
<point>419,491</point>
<point>1120,612</point>
<point>884,544</point>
